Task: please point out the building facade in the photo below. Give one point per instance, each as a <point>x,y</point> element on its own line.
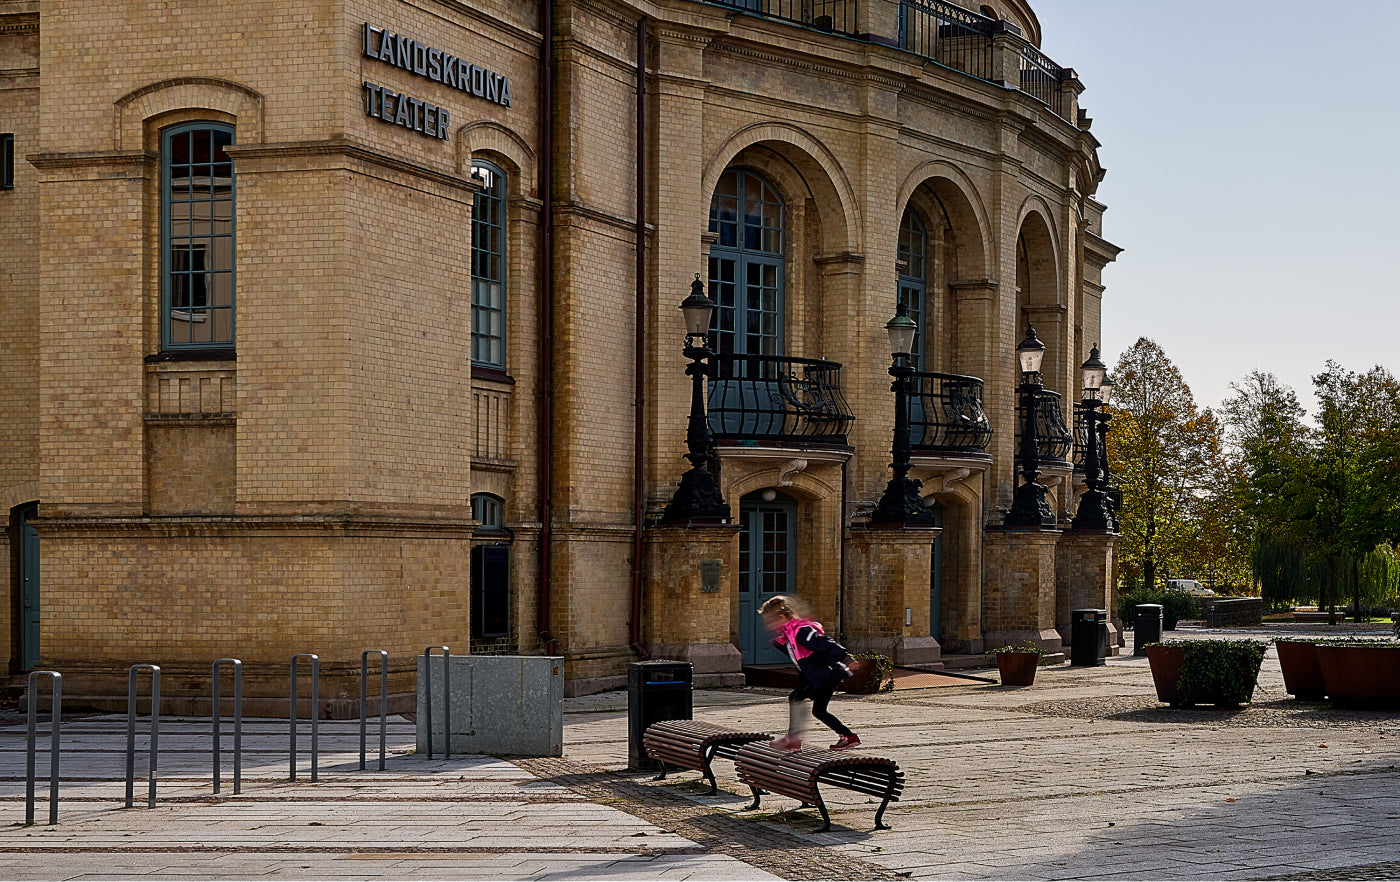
<point>352,325</point>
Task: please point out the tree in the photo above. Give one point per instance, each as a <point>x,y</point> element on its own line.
<point>1158,449</point>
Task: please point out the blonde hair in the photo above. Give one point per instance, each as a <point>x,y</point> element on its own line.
<point>782,604</point>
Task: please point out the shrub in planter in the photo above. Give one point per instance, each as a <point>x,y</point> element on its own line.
<point>1016,664</point>
<point>1218,672</point>
<point>870,672</point>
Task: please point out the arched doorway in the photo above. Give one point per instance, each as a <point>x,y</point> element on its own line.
<point>767,567</point>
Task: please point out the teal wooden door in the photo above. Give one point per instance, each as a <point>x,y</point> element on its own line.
<point>29,590</point>
<point>767,567</point>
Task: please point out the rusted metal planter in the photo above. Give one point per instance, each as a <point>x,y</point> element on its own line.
<point>1361,675</point>
<point>1302,674</point>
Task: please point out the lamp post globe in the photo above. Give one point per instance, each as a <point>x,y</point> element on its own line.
<point>900,505</point>
<point>698,498</point>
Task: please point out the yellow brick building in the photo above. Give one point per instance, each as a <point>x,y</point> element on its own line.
<point>338,326</point>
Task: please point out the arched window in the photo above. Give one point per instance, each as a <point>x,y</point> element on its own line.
<point>913,277</point>
<point>746,265</point>
<point>197,237</point>
<point>489,267</point>
<point>487,509</point>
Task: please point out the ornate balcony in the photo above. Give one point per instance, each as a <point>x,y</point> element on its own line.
<point>777,399</point>
<point>956,38</point>
<point>945,414</point>
<point>1052,435</point>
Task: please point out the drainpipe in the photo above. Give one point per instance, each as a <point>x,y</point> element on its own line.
<point>639,344</point>
<point>546,361</point>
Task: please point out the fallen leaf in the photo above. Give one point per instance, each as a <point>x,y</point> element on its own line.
<point>1230,800</point>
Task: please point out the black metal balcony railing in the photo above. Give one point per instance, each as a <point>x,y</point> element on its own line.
<point>950,35</point>
<point>840,16</point>
<point>1053,437</point>
<point>1041,77</point>
<point>1081,440</point>
<point>945,413</point>
<point>776,398</point>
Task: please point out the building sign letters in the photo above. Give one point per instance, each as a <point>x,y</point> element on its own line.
<point>433,64</point>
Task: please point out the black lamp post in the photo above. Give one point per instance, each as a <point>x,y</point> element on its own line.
<point>900,506</point>
<point>1028,507</point>
<point>1094,513</point>
<point>698,497</point>
<point>1105,476</point>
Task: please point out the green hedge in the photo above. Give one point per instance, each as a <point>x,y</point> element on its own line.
<point>1176,606</point>
<point>1218,671</point>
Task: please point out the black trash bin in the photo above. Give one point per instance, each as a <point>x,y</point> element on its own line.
<point>656,690</point>
<point>1088,637</point>
<point>1147,628</point>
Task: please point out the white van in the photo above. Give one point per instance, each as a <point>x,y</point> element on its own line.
<point>1189,586</point>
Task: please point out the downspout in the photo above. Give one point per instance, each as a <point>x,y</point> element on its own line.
<point>546,357</point>
<point>639,350</point>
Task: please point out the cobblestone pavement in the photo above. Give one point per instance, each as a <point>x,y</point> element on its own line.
<point>1082,775</point>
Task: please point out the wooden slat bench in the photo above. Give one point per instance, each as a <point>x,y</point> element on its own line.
<point>691,744</point>
<point>798,773</point>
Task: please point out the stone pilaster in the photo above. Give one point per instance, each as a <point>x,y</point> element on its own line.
<point>1084,576</point>
<point>887,594</point>
<point>689,598</point>
<point>1018,600</point>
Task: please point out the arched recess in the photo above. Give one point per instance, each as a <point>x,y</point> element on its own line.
<point>134,109</point>
<point>957,557</point>
<point>958,252</point>
<point>801,486</point>
<point>1037,261</point>
<point>791,154</point>
<point>504,146</point>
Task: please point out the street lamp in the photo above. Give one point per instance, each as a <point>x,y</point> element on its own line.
<point>900,505</point>
<point>1095,512</point>
<point>698,497</point>
<point>1106,477</point>
<point>1028,507</point>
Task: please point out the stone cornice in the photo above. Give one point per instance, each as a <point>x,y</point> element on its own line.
<point>356,151</point>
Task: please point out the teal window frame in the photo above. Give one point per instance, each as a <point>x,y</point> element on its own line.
<point>748,218</point>
<point>197,253</point>
<point>913,277</point>
<point>488,509</point>
<point>7,161</point>
<point>489,266</point>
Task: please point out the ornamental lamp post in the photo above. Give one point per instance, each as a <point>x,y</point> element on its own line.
<point>1095,512</point>
<point>1028,507</point>
<point>698,498</point>
<point>900,505</point>
<point>1105,477</point>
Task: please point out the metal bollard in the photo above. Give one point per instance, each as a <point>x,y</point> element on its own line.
<point>446,698</point>
<point>315,711</point>
<point>383,702</point>
<point>154,751</point>
<point>56,691</point>
<point>237,724</point>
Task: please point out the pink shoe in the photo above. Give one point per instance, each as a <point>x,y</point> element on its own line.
<point>787,743</point>
<point>847,742</point>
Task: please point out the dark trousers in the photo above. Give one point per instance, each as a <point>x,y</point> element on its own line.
<point>820,696</point>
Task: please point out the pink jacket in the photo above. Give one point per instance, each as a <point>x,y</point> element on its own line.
<point>788,637</point>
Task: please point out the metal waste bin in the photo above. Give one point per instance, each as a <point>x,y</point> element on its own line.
<point>656,690</point>
<point>1088,637</point>
<point>1147,628</point>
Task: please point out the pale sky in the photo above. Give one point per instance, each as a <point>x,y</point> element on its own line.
<point>1253,156</point>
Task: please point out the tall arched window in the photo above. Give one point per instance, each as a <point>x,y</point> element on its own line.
<point>913,277</point>
<point>489,267</point>
<point>197,213</point>
<point>746,265</point>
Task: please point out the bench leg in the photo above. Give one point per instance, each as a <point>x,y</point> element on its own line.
<point>662,776</point>
<point>880,813</point>
<point>826,819</point>
<point>757,795</point>
<point>714,785</point>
